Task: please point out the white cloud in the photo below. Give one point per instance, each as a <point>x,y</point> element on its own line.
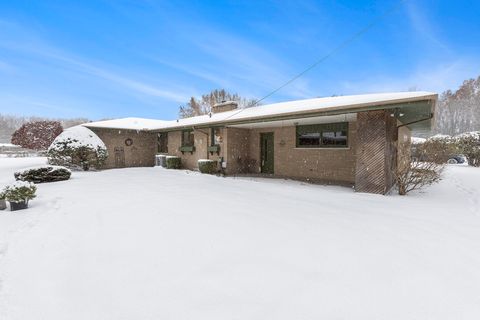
<point>37,47</point>
<point>437,78</point>
<point>423,25</point>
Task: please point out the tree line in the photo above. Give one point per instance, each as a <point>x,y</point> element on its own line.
<point>459,111</point>
<point>9,124</point>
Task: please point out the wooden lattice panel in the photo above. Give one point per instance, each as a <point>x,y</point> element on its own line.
<point>371,164</point>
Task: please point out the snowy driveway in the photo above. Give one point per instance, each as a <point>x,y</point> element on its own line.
<point>149,243</point>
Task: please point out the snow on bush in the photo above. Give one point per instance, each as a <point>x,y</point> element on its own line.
<point>37,135</point>
<point>19,191</point>
<point>78,147</point>
<point>43,174</point>
<point>416,140</point>
<point>173,162</point>
<point>441,137</point>
<point>469,145</point>
<point>438,149</point>
<point>207,166</point>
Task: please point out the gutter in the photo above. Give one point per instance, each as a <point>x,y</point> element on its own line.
<point>416,121</point>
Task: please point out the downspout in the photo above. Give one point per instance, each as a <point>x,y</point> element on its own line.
<point>416,121</point>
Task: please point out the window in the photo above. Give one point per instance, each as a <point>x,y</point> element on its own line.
<point>215,136</point>
<point>188,139</point>
<point>330,135</point>
<point>162,142</point>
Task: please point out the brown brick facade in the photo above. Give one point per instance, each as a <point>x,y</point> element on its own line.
<point>367,163</point>
<point>327,165</point>
<point>240,149</point>
<point>202,141</point>
<point>140,154</point>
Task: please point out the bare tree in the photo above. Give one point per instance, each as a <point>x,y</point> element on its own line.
<point>197,107</point>
<point>416,175</point>
<point>459,111</point>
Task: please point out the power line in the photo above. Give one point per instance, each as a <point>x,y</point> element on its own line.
<point>338,48</point>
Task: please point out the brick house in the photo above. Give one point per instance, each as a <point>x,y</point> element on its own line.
<point>346,140</point>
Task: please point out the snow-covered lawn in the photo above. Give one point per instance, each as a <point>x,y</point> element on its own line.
<point>150,243</point>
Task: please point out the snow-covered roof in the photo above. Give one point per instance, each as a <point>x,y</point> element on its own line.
<point>127,124</point>
<point>289,108</point>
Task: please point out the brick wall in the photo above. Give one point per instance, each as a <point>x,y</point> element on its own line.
<point>404,146</point>
<point>327,165</point>
<point>202,141</point>
<point>140,154</point>
<point>237,155</point>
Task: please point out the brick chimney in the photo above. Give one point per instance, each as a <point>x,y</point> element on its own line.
<point>224,106</point>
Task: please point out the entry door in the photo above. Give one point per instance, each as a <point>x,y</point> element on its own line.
<point>119,157</point>
<point>266,152</point>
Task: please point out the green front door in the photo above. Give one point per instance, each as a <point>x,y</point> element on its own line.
<point>266,152</point>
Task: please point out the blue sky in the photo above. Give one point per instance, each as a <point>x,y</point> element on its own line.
<point>114,58</point>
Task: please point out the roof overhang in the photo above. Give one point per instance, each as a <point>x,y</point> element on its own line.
<point>406,112</point>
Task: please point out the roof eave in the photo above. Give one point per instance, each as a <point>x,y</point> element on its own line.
<point>353,108</point>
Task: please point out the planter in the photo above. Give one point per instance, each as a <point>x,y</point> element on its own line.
<point>184,149</point>
<point>214,149</point>
<point>207,166</point>
<point>14,206</point>
<point>3,204</point>
<point>173,162</point>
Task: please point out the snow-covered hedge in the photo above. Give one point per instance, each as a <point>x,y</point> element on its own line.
<point>469,145</point>
<point>207,166</point>
<point>19,191</point>
<point>173,162</point>
<point>417,141</point>
<point>438,148</point>
<point>43,174</point>
<point>78,147</point>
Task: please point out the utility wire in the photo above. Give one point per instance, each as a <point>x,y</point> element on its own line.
<point>338,48</point>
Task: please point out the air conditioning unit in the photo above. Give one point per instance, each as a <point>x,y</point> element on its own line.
<point>161,160</point>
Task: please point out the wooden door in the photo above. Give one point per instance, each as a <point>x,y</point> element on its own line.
<point>266,153</point>
<point>119,157</point>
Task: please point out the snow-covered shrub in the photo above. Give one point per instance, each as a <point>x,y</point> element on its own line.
<point>3,204</point>
<point>43,174</point>
<point>469,145</point>
<point>78,147</point>
<point>417,175</point>
<point>19,191</point>
<point>173,162</point>
<point>37,135</point>
<point>438,149</point>
<point>417,141</point>
<point>207,166</point>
